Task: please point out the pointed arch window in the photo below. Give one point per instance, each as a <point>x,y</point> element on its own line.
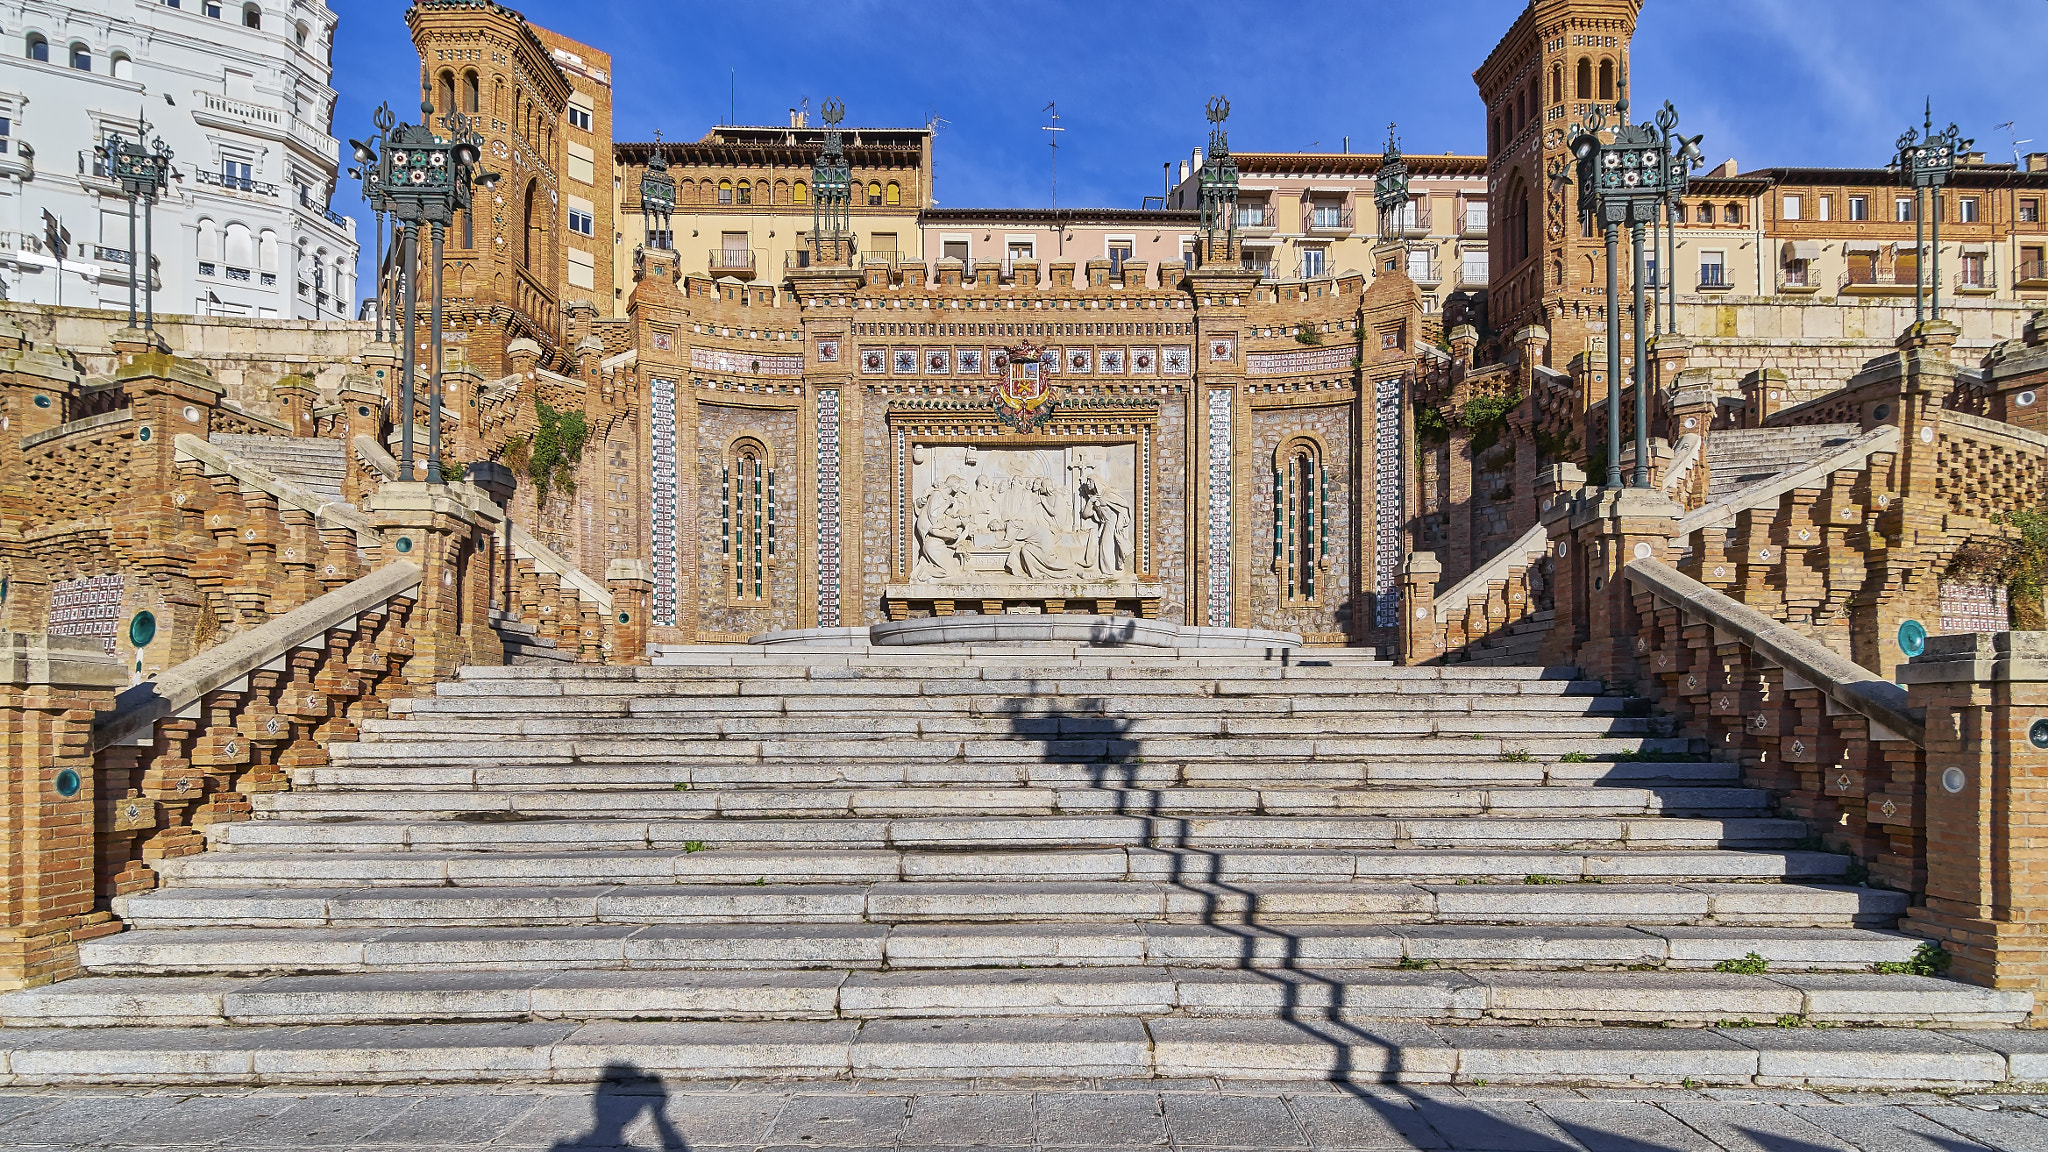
<point>1607,79</point>
<point>1585,78</point>
<point>1301,512</point>
<point>746,519</point>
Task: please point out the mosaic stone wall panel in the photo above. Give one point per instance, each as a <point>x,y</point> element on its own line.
<point>1332,612</point>
<point>1973,608</point>
<point>717,426</point>
<point>86,608</point>
<point>1169,499</point>
<point>663,486</point>
<point>1337,358</point>
<point>828,507</point>
<point>1219,519</point>
<point>741,363</point>
<point>1387,502</point>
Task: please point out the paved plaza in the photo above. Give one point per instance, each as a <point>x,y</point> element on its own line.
<point>1080,1114</point>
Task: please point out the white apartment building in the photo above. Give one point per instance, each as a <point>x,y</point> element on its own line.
<point>241,93</point>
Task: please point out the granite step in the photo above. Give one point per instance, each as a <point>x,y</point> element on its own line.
<point>1033,905</point>
<point>226,950</point>
<point>290,868</point>
<point>717,725</point>
<point>938,833</point>
<point>729,800</point>
<point>1677,997</point>
<point>953,1048</point>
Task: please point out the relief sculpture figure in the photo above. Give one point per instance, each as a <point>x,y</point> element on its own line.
<point>1109,516</point>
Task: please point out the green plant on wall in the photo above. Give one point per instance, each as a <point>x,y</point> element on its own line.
<point>1307,334</point>
<point>548,457</point>
<point>2019,562</point>
<point>1487,418</point>
<point>1430,427</point>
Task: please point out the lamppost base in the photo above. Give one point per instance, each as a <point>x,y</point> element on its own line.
<point>135,341</point>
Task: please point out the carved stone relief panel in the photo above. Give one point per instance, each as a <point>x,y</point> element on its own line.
<point>1025,516</point>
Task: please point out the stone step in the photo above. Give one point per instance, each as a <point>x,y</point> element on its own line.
<point>292,868</point>
<point>954,1048</point>
<point>1190,900</point>
<point>1786,999</point>
<point>562,750</point>
<point>710,725</point>
<point>1039,684</point>
<point>969,834</point>
<point>1017,800</point>
<point>880,703</point>
<point>441,948</point>
<point>515,771</point>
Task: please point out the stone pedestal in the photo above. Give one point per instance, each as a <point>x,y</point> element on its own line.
<point>1140,599</point>
<point>50,689</point>
<point>432,526</point>
<point>631,583</point>
<point>1422,638</point>
<point>1984,797</point>
<point>1608,530</point>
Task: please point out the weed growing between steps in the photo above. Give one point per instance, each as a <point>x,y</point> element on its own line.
<point>1749,965</point>
<point>1930,959</point>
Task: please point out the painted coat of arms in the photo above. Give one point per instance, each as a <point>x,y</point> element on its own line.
<point>1024,397</point>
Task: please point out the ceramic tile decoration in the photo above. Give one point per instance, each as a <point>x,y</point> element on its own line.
<point>904,362</point>
<point>938,362</point>
<point>828,351</point>
<point>1110,362</point>
<point>663,482</point>
<point>873,362</point>
<point>828,507</point>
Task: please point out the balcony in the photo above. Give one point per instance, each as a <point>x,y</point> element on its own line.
<point>236,184</point>
<point>231,113</point>
<point>1249,219</point>
<point>1974,282</point>
<point>1472,218</point>
<point>889,256</point>
<point>1263,267</point>
<point>1714,278</point>
<point>1412,221</point>
<point>1878,280</point>
<point>21,242</point>
<point>1797,278</point>
<point>1427,271</point>
<point>1326,221</point>
<point>2031,274</point>
<point>737,262</point>
<point>1473,274</point>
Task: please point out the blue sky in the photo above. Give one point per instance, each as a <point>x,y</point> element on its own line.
<point>1814,82</point>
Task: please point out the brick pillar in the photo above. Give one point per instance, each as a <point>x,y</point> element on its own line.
<point>1763,392</point>
<point>429,525</point>
<point>167,397</point>
<point>1557,489</point>
<point>1985,797</point>
<point>631,583</point>
<point>1609,530</point>
<point>295,397</point>
<point>50,687</point>
<point>1422,638</point>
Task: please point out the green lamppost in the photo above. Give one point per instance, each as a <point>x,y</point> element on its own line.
<point>831,191</point>
<point>423,180</point>
<point>365,153</point>
<point>1924,163</point>
<point>1390,187</point>
<point>1219,184</point>
<point>1625,177</point>
<point>658,198</point>
<point>144,174</point>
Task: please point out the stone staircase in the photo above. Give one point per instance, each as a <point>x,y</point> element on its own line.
<point>1006,862</point>
<point>1739,458</point>
<point>316,464</point>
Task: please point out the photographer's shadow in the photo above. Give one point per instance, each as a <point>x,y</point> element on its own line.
<point>624,1091</point>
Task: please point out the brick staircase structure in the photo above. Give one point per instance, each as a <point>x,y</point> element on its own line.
<point>1015,861</point>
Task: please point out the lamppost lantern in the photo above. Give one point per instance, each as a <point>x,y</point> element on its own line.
<point>1632,176</point>
<point>1390,183</point>
<point>422,180</point>
<point>831,191</point>
<point>658,196</point>
<point>1218,189</point>
<point>1924,163</point>
<point>144,174</point>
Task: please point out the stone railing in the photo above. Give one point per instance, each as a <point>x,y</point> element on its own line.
<point>1471,621</point>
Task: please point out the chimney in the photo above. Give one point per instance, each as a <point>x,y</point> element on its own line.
<point>1727,168</point>
<point>793,121</point>
<point>1183,170</point>
<point>2037,162</point>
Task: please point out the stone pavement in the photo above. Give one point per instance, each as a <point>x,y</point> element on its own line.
<point>1014,1116</point>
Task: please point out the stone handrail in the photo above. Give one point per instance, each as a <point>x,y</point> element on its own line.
<point>2007,435</point>
<point>82,424</point>
<point>137,710</point>
<point>1684,456</point>
<point>1852,455</point>
<point>1519,554</point>
<point>1841,680</point>
<point>288,494</point>
<point>524,545</point>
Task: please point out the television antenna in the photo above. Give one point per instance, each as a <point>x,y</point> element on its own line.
<point>2011,133</point>
<point>1054,139</point>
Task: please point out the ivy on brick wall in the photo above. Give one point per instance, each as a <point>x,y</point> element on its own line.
<point>2019,562</point>
<point>548,457</point>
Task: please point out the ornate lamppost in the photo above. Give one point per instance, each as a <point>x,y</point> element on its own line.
<point>424,179</point>
<point>144,174</point>
<point>1688,155</point>
<point>366,158</point>
<point>658,198</point>
<point>1625,178</point>
<point>1390,187</point>
<point>831,192</point>
<point>1219,184</point>
<point>1924,163</point>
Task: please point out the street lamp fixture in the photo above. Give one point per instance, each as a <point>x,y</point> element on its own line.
<point>144,174</point>
<point>1390,187</point>
<point>831,191</point>
<point>658,197</point>
<point>423,179</point>
<point>365,153</point>
<point>1924,163</point>
<point>1219,186</point>
<point>1626,176</point>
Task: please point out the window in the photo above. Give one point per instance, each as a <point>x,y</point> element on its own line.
<point>954,250</point>
<point>581,223</point>
<point>663,238</point>
<point>1971,274</point>
<point>582,269</point>
<point>6,134</point>
<point>1824,207</point>
<point>743,193</point>
<point>211,8</point>
<point>469,92</point>
<point>468,232</point>
<point>1015,250</point>
<point>874,195</point>
<point>725,191</point>
<point>1713,270</point>
<point>1791,208</point>
<point>252,16</point>
<point>208,268</point>
<point>121,67</point>
<point>1313,261</point>
<point>1607,80</point>
<point>1472,268</point>
<point>893,194</point>
<point>801,194</point>
<point>579,118</point>
<point>1797,274</point>
<point>235,174</point>
<point>1732,214</point>
<point>1650,272</point>
<point>1706,213</point>
<point>81,57</point>
<point>1557,83</point>
<point>1902,209</point>
<point>582,164</point>
<point>1585,78</point>
<point>1301,505</point>
<point>2030,211</point>
<point>1119,251</point>
<point>746,521</point>
<point>1966,210</point>
<point>38,48</point>
<point>1859,207</point>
